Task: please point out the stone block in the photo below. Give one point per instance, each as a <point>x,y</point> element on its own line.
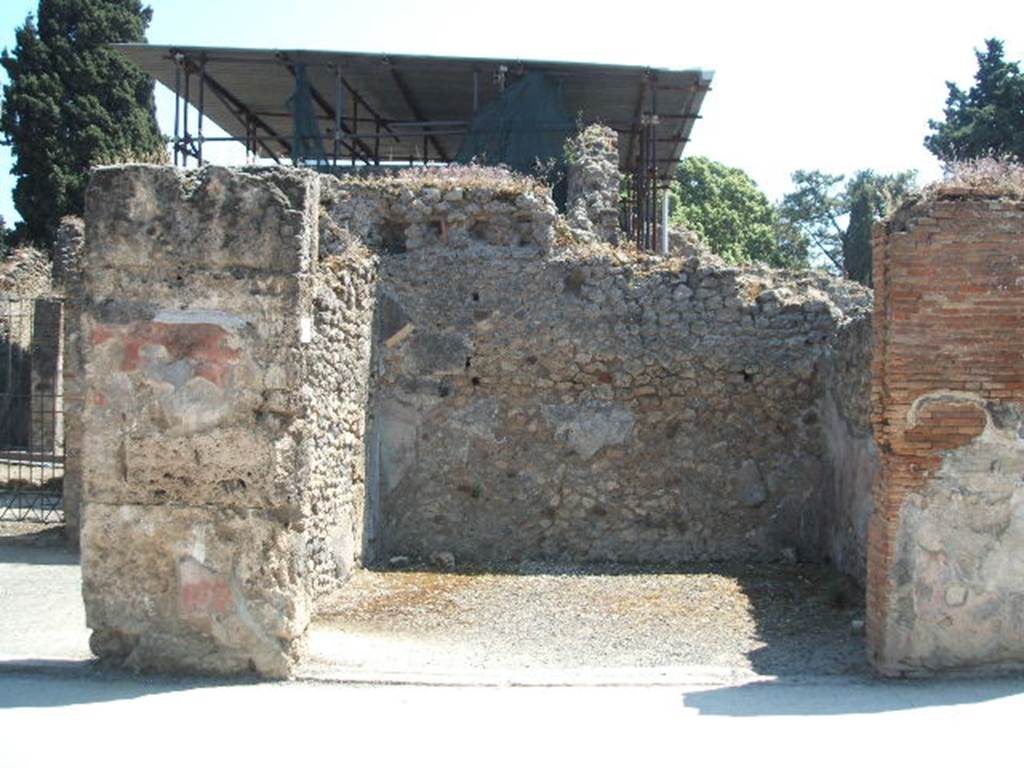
<point>143,218</point>
<point>193,589</point>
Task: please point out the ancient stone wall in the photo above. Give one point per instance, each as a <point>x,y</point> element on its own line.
<point>279,375</point>
<point>66,253</point>
<point>850,448</point>
<point>592,176</point>
<point>946,559</point>
<point>68,248</point>
<point>26,274</point>
<point>336,374</point>
<point>540,398</point>
<point>31,330</point>
<point>222,359</point>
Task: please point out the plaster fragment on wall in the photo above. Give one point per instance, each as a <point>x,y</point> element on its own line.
<point>588,428</point>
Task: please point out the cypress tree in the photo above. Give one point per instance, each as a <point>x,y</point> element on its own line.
<point>857,243</point>
<point>72,103</point>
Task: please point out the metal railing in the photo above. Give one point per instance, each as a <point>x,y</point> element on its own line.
<point>31,409</point>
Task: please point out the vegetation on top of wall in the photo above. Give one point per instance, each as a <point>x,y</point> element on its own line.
<point>500,180</point>
<point>984,176</point>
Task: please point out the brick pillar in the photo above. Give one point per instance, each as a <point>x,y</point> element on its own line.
<point>946,542</point>
<point>194,318</point>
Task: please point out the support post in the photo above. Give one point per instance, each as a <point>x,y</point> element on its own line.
<point>186,139</point>
<point>177,106</point>
<point>664,223</point>
<point>202,108</point>
<point>355,121</point>
<point>339,105</point>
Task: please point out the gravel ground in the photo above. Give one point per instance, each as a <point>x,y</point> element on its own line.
<point>784,621</point>
<point>766,620</point>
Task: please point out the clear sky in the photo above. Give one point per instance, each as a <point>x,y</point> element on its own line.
<point>835,86</point>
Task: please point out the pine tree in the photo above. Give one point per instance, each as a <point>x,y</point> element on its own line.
<point>986,121</point>
<point>833,223</point>
<point>72,103</point>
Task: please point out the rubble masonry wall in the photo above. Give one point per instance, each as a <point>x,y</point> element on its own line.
<point>281,375</point>
<point>222,359</point>
<point>540,398</point>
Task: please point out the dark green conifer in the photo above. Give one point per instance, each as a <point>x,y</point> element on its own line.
<point>72,103</point>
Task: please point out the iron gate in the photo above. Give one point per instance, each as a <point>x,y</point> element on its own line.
<point>31,409</point>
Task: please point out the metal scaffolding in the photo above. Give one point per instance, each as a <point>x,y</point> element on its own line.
<point>371,110</point>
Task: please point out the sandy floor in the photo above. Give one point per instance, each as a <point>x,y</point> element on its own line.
<point>765,620</point>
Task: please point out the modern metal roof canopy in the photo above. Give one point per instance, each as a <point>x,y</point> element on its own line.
<point>381,108</point>
<point>397,91</point>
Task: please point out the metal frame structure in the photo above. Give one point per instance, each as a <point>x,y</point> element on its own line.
<point>31,409</point>
<point>388,110</point>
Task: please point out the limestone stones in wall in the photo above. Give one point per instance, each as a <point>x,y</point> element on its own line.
<point>453,209</point>
<point>590,404</point>
<point>962,540</point>
<point>223,357</point>
<point>593,180</point>
<point>589,427</point>
<point>25,274</point>
<point>67,250</point>
<point>750,485</point>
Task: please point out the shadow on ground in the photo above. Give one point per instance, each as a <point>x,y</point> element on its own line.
<point>797,624</point>
<point>85,685</point>
<point>809,620</point>
<point>35,544</point>
<point>787,698</point>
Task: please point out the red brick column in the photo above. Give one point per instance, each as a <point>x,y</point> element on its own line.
<point>948,373</point>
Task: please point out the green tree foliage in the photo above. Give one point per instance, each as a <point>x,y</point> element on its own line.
<point>988,120</point>
<point>857,243</point>
<point>831,221</point>
<point>72,103</point>
<point>731,215</point>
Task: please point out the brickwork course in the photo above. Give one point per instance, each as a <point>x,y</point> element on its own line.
<point>946,556</point>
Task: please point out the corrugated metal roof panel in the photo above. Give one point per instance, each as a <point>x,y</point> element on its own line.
<point>258,83</point>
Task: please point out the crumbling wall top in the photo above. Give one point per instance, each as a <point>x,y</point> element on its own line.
<point>593,179</point>
<point>150,216</point>
<point>978,180</point>
<point>25,273</point>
